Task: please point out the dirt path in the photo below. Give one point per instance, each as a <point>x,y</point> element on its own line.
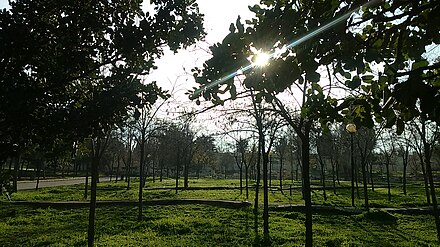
<point>28,185</point>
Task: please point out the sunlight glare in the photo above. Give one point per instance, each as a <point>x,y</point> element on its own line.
<point>261,59</point>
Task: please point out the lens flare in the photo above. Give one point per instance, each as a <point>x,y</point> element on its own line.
<point>262,59</point>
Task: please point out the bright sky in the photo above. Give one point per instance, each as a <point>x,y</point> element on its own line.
<point>175,68</point>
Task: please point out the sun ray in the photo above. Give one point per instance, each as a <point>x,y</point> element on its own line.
<point>262,60</point>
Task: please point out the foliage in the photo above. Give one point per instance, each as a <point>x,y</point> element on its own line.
<point>68,70</point>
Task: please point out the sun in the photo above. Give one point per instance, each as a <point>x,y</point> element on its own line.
<point>260,59</point>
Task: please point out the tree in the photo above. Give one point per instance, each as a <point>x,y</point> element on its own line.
<point>204,153</point>
<point>387,151</point>
<point>145,115</point>
<point>349,55</point>
<point>404,145</point>
<point>365,141</point>
<point>68,68</point>
<point>240,152</point>
<point>281,148</point>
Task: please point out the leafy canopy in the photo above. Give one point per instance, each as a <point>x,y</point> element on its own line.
<point>68,68</point>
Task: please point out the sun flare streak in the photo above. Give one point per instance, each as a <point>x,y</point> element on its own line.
<point>265,58</point>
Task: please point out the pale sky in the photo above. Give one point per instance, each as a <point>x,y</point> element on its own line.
<point>175,68</point>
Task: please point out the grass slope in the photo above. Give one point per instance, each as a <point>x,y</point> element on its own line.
<point>195,225</point>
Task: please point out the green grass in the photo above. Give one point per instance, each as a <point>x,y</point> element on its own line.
<point>195,225</point>
<point>199,225</point>
<point>118,191</point>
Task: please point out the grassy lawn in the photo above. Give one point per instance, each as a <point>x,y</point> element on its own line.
<point>118,191</point>
<point>195,225</point>
<point>202,225</point>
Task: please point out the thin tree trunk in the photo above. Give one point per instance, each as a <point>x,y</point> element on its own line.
<point>352,170</point>
<point>117,169</point>
<point>257,190</point>
<point>161,173</point>
<point>38,175</point>
<point>387,165</point>
<point>16,173</point>
<point>281,173</point>
<point>323,180</point>
<point>270,170</point>
<point>241,174</point>
<point>94,183</point>
<point>265,195</point>
<point>185,175</point>
<point>153,170</point>
<point>405,165</point>
<point>334,178</point>
<point>371,176</point>
<point>357,179</point>
<point>305,149</point>
<point>141,175</point>
<point>86,187</point>
<point>364,178</point>
<point>337,173</point>
<point>432,186</point>
<point>247,182</point>
<point>425,180</point>
<point>177,170</point>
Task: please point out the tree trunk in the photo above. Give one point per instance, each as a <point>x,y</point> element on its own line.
<point>16,173</point>
<point>281,173</point>
<point>161,173</point>
<point>86,187</point>
<point>291,170</point>
<point>432,186</point>
<point>141,176</point>
<point>387,165</point>
<point>323,180</point>
<point>185,174</point>
<point>117,169</point>
<point>305,152</point>
<point>405,165</point>
<point>265,195</point>
<point>177,170</point>
<point>130,153</point>
<point>352,170</point>
<point>371,177</point>
<point>270,170</point>
<point>247,182</point>
<point>334,178</point>
<point>337,173</point>
<point>257,189</point>
<point>364,179</point>
<point>357,178</point>
<point>153,167</point>
<point>425,180</point>
<point>240,167</point>
<point>94,183</point>
<point>38,175</point>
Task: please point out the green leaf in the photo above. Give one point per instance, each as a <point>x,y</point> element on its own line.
<point>419,64</point>
<point>377,44</point>
<point>232,28</point>
<point>367,78</point>
<point>240,26</point>
<point>353,84</point>
<point>313,76</point>
<point>347,75</point>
